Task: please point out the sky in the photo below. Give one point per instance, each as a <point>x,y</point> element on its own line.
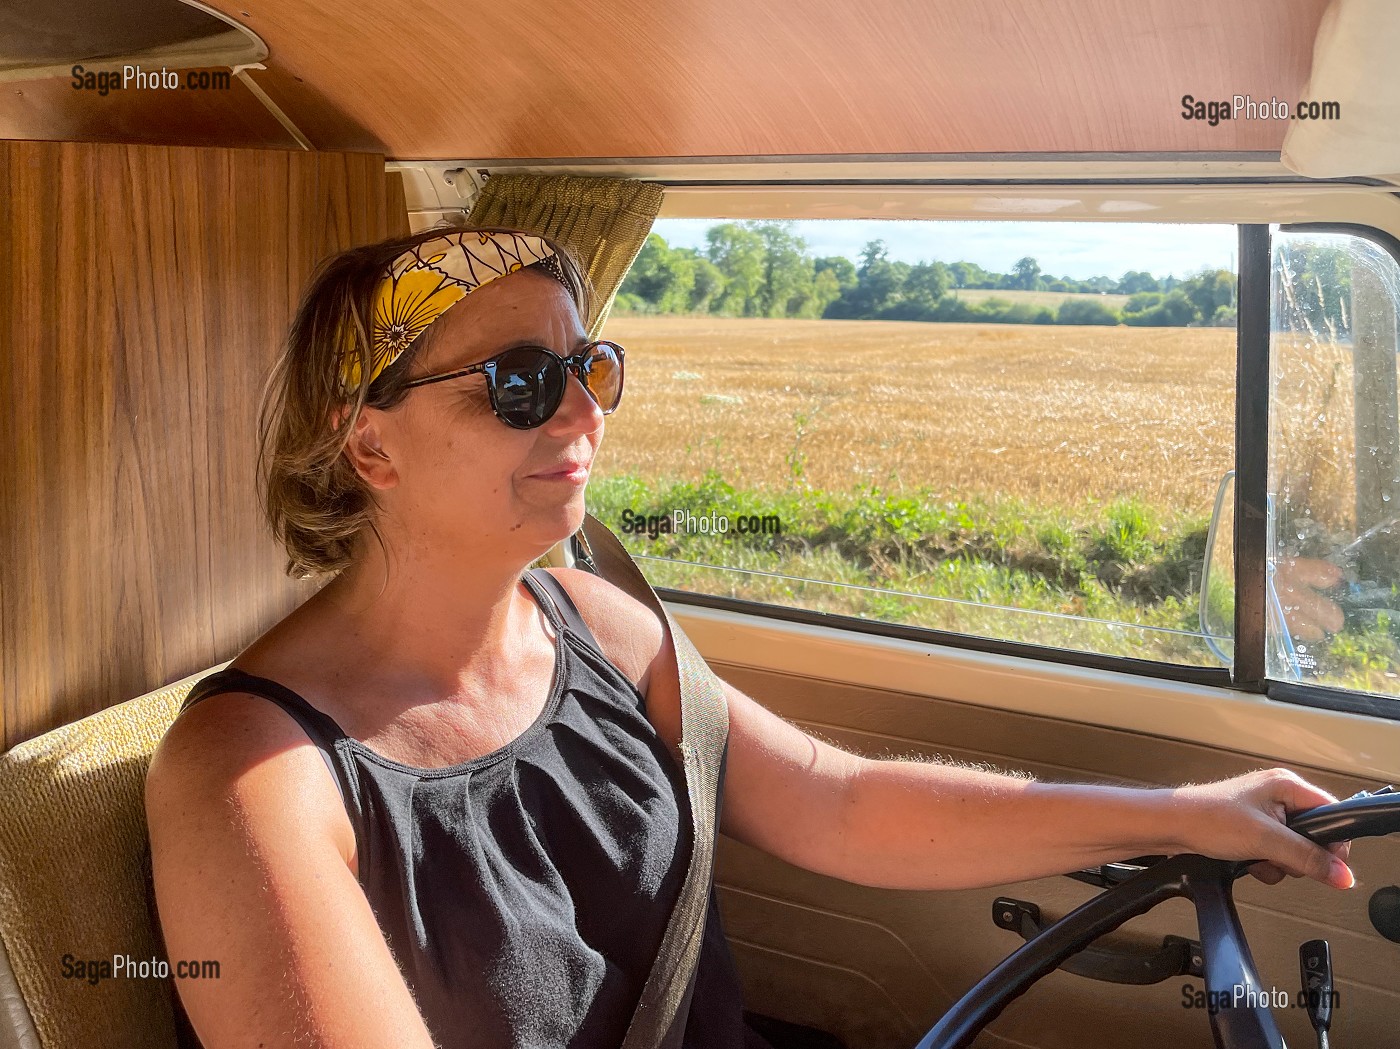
<point>1064,249</point>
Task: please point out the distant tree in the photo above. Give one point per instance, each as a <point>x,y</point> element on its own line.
<point>1022,313</point>
<point>788,272</point>
<point>926,284</point>
<point>873,252</point>
<point>709,285</point>
<point>738,251</point>
<point>1178,309</point>
<point>1208,291</point>
<point>663,277</point>
<point>843,270</point>
<point>1135,281</point>
<point>1027,272</point>
<point>826,289</point>
<point>967,274</point>
<point>880,282</point>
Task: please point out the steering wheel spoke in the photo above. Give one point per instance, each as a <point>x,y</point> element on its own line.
<point>1240,1015</point>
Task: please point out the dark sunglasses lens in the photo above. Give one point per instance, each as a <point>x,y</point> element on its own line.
<point>603,372</point>
<point>528,386</point>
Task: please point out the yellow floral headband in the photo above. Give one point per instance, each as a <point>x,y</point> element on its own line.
<point>428,279</point>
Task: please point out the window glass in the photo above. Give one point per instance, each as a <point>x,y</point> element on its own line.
<point>1334,463</point>
<point>1009,430</point>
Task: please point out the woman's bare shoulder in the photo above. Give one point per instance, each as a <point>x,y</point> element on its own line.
<point>238,758</point>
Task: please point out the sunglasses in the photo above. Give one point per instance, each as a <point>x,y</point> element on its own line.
<point>526,383</point>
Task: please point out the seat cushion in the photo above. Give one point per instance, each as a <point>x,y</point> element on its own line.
<point>74,862</point>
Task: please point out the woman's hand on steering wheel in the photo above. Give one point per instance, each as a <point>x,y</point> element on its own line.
<point>1244,818</point>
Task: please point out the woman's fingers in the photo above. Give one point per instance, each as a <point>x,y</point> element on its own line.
<point>1314,616</point>
<point>1300,857</point>
<point>1290,850</point>
<point>1309,615</point>
<point>1310,572</point>
<point>1267,872</point>
<point>1246,818</point>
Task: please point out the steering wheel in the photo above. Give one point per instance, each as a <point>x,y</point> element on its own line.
<point>1209,884</point>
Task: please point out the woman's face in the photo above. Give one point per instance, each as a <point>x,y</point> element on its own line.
<point>458,484</point>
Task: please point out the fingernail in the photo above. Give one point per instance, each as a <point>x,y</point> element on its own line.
<point>1342,873</point>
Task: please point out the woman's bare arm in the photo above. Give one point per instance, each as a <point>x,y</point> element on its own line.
<point>251,848</point>
<point>924,825</point>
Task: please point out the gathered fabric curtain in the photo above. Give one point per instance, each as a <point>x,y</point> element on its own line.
<point>603,221</point>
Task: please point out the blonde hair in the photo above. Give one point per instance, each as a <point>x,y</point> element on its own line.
<point>315,501</point>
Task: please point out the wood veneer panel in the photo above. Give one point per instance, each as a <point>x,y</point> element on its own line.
<point>397,200</point>
<point>628,78</point>
<point>144,293</point>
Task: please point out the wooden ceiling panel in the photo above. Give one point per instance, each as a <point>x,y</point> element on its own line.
<point>645,78</point>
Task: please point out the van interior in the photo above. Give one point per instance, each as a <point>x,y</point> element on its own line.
<point>1177,438</point>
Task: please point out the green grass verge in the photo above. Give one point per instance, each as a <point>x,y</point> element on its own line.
<point>1121,579</point>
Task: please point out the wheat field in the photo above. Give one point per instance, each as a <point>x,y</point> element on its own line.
<point>1038,298</point>
<point>1058,415</point>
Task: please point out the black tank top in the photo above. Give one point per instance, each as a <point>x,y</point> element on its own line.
<point>524,893</point>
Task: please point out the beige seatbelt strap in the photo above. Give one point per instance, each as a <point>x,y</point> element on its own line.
<point>659,1020</point>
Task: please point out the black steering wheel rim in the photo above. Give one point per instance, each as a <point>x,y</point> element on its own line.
<point>1209,884</point>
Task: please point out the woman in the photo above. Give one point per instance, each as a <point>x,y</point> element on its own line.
<point>435,804</point>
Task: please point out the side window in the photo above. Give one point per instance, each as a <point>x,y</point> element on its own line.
<point>1008,430</point>
<point>1334,463</point>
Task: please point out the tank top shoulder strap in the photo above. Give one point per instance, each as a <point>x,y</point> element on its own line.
<point>320,728</point>
<point>558,600</point>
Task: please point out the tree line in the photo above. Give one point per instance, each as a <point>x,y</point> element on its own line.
<point>761,269</point>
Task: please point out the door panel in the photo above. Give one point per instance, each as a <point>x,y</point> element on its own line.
<point>878,966</point>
